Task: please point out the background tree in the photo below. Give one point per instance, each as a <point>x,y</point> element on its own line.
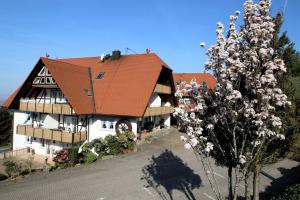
<point>238,121</point>
<point>5,126</point>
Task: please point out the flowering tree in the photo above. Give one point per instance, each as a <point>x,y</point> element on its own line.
<point>235,123</point>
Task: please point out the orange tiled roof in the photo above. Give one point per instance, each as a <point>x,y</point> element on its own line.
<point>200,77</point>
<point>8,101</point>
<point>125,88</point>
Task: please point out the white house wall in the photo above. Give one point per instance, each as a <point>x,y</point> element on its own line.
<point>19,140</point>
<point>96,129</point>
<point>155,100</point>
<point>51,121</point>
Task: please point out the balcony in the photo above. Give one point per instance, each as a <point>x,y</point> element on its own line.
<point>162,89</point>
<point>64,109</point>
<point>52,134</point>
<point>154,111</point>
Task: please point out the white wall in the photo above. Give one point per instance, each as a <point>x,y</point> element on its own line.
<point>51,121</point>
<point>155,101</point>
<point>19,140</point>
<point>96,129</point>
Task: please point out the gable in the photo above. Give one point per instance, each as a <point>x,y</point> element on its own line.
<point>44,77</point>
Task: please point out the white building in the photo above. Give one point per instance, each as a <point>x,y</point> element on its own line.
<point>64,102</point>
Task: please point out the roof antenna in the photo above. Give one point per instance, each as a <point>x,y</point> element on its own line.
<point>128,49</point>
<point>47,55</point>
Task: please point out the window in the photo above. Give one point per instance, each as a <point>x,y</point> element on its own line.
<point>104,125</point>
<point>111,125</point>
<point>100,75</point>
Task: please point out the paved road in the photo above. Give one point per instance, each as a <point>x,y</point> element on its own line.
<point>161,170</point>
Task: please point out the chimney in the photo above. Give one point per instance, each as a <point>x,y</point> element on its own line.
<point>148,51</point>
<point>116,54</point>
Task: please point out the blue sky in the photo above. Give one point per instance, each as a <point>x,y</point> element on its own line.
<point>171,28</point>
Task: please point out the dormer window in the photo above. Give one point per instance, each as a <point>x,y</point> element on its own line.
<point>100,76</point>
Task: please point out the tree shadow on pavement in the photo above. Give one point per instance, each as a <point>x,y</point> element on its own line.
<point>288,178</point>
<point>168,171</point>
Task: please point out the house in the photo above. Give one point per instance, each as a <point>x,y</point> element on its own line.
<point>64,102</point>
<point>200,78</point>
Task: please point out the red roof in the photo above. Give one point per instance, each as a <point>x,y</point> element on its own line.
<point>125,88</point>
<point>200,78</point>
<point>8,101</point>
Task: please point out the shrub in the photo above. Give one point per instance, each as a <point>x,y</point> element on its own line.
<point>52,167</point>
<point>90,157</point>
<point>86,148</point>
<point>73,153</point>
<point>62,157</point>
<point>126,141</point>
<point>100,146</point>
<point>29,164</point>
<point>12,168</point>
<point>114,146</point>
<point>291,193</point>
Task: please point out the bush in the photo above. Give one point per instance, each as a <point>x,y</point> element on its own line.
<point>126,141</point>
<point>113,145</point>
<point>290,193</point>
<point>73,153</point>
<point>90,157</point>
<point>29,164</point>
<point>86,148</point>
<point>100,146</point>
<point>110,145</point>
<point>12,168</point>
<point>62,157</point>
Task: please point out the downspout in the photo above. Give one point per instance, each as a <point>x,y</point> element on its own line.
<point>94,102</point>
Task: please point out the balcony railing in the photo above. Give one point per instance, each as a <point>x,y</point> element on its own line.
<point>163,89</point>
<point>153,111</point>
<point>64,109</point>
<point>52,134</point>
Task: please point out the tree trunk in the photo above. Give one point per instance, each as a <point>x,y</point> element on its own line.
<point>247,197</point>
<point>256,181</point>
<point>230,191</point>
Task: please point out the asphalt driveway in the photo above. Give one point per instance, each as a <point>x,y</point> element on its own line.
<point>161,170</point>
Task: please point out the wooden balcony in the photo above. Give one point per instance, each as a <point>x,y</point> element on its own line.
<point>162,89</point>
<point>154,111</point>
<point>64,109</point>
<point>51,134</point>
